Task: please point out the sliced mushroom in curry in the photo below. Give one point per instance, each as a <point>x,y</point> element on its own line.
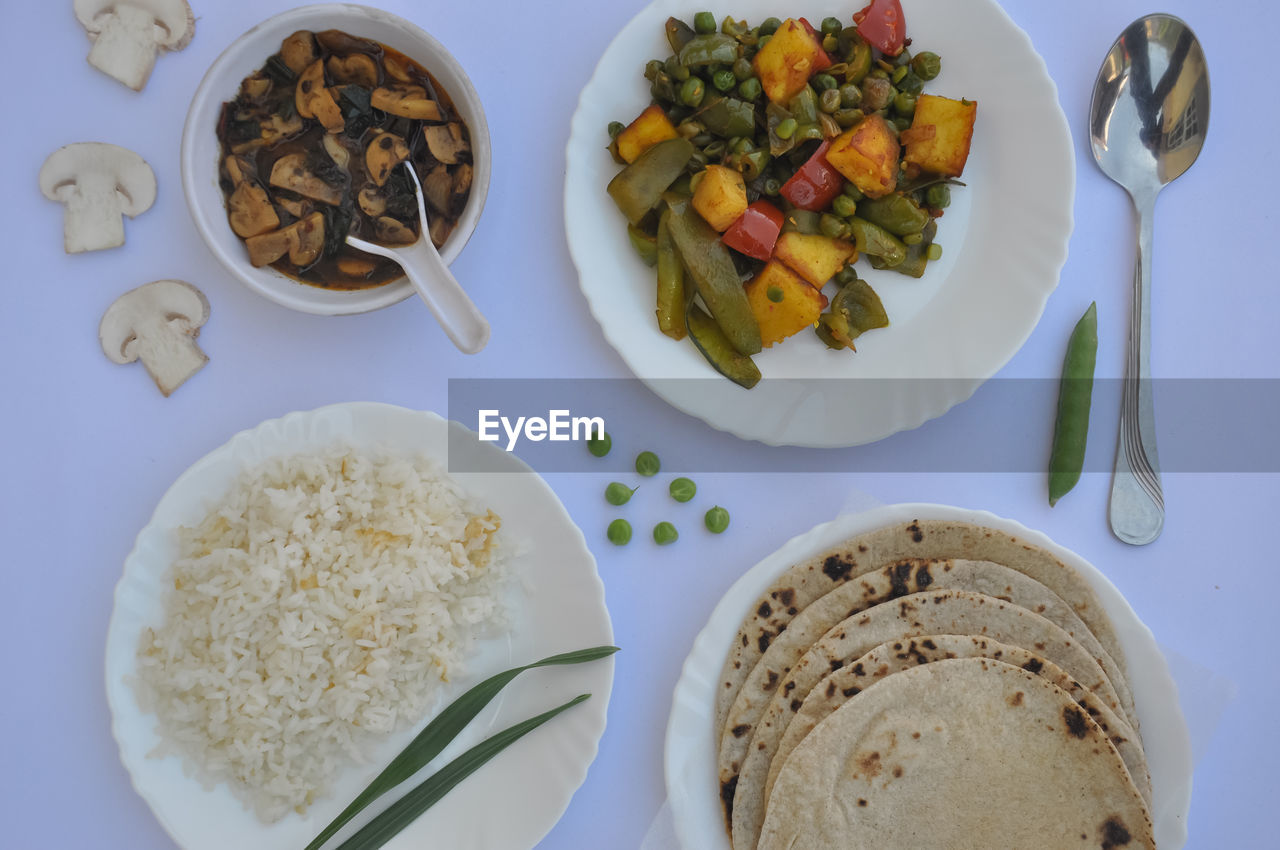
<point>312,151</point>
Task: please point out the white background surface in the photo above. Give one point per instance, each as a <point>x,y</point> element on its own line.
<point>92,445</point>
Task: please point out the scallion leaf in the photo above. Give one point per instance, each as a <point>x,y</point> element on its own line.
<point>441,731</point>
<point>404,811</point>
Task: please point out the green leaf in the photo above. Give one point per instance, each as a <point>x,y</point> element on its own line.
<point>404,811</point>
<point>441,731</point>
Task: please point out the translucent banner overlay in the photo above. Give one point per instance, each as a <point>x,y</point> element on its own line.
<point>1203,426</point>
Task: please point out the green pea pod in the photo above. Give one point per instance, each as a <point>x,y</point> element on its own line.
<point>896,213</point>
<point>874,241</point>
<point>1075,397</point>
<point>713,49</point>
<point>804,106</point>
<point>646,246</point>
<point>855,310</point>
<point>709,266</point>
<point>715,346</point>
<point>678,34</point>
<point>671,296</point>
<point>637,188</point>
<point>918,254</point>
<point>728,117</point>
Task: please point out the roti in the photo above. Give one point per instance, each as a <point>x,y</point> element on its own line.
<point>963,754</point>
<point>836,688</point>
<point>811,579</point>
<point>918,614</point>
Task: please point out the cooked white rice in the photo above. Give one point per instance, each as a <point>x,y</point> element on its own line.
<point>316,608</point>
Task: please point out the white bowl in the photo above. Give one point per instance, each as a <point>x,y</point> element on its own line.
<point>200,148</point>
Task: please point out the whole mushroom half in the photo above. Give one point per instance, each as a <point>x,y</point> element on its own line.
<point>127,34</point>
<point>98,184</point>
<point>157,323</point>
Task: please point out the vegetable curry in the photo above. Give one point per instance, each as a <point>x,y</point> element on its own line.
<point>311,149</point>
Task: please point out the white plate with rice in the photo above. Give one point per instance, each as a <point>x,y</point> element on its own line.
<point>363,496</point>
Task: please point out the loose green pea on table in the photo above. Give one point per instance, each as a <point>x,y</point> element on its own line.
<point>716,520</point>
<point>618,493</point>
<point>664,533</point>
<point>600,446</point>
<point>619,532</point>
<point>647,464</point>
<point>682,489</point>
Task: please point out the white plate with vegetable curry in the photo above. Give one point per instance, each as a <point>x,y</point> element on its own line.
<point>1003,242</point>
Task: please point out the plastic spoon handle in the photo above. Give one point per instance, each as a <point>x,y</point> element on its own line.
<point>449,303</point>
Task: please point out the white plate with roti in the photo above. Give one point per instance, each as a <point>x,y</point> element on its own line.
<point>772,672</point>
<point>552,601</point>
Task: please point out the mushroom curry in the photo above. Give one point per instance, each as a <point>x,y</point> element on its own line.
<point>310,152</point>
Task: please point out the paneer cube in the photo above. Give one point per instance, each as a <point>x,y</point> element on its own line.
<point>938,140</point>
<point>785,64</point>
<point>794,304</point>
<point>867,155</point>
<point>813,256</point>
<point>649,128</point>
<point>721,197</point>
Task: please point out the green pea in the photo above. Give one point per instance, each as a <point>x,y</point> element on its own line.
<point>749,89</point>
<point>774,294</point>
<point>723,80</point>
<point>682,489</point>
<point>772,186</point>
<point>829,101</point>
<point>704,23</point>
<point>938,196</point>
<point>692,92</point>
<point>764,39</point>
<point>647,464</point>
<point>852,191</point>
<point>716,520</point>
<point>830,43</point>
<point>616,127</point>
<point>823,82</point>
<point>742,69</point>
<point>912,239</point>
<point>665,533</point>
<point>846,276</point>
<point>619,532</point>
<point>850,96</point>
<point>900,124</point>
<point>599,446</point>
<point>1075,396</point>
<point>675,70</point>
<point>786,128</point>
<point>927,65</point>
<point>618,493</point>
<point>905,104</point>
<point>844,206</point>
<point>831,26</point>
<point>847,118</point>
<point>934,252</point>
<point>769,26</point>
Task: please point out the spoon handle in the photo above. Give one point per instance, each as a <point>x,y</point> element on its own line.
<point>1137,499</point>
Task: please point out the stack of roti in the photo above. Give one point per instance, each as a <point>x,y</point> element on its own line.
<point>930,685</point>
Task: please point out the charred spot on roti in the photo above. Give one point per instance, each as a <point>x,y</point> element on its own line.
<point>851,692</point>
<point>862,803</point>
<point>1114,834</point>
<point>897,771</point>
<point>916,534</point>
<point>862,547</point>
<point>772,680</point>
<point>831,688</point>
<point>858,670</point>
<point>793,611</point>
<point>869,764</point>
<point>836,665</point>
<point>795,705</point>
<point>1035,665</point>
<point>788,687</point>
<point>924,578</point>
<point>744,640</point>
<point>727,790</point>
<point>786,597</point>
<point>928,644</point>
<point>837,568</point>
<point>764,640</point>
<point>740,730</point>
<point>899,575</point>
<point>1015,699</point>
<point>1077,725</point>
<point>764,610</point>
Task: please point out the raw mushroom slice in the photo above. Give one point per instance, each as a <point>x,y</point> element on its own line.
<point>385,152</point>
<point>157,323</point>
<point>127,34</point>
<point>290,172</point>
<point>406,102</point>
<point>98,184</point>
<point>446,141</point>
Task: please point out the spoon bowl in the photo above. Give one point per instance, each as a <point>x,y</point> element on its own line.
<point>1147,125</point>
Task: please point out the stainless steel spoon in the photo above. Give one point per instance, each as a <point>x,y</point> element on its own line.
<point>454,310</point>
<point>1147,123</point>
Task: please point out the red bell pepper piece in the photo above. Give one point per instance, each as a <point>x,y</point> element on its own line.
<point>816,184</point>
<point>755,231</point>
<point>821,60</point>
<point>882,24</point>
